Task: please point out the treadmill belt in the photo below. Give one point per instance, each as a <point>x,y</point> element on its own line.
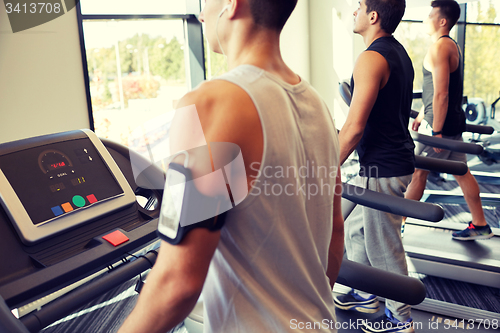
<point>461,293</point>
<point>478,253</point>
<point>460,213</point>
<point>104,314</point>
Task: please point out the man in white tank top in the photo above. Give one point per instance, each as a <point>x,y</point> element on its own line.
<point>273,265</point>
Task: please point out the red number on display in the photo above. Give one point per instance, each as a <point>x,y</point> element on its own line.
<point>58,165</point>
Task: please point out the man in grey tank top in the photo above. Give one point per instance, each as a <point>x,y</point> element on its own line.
<point>272,267</point>
<point>377,126</point>
<point>442,96</point>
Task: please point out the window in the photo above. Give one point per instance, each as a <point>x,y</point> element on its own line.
<point>136,72</point>
<point>215,63</point>
<point>415,40</point>
<point>482,64</point>
<point>133,7</point>
<point>483,11</point>
<point>139,60</point>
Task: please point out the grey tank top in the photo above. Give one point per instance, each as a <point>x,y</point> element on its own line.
<point>268,273</point>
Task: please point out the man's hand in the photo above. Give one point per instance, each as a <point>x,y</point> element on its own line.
<point>416,123</point>
<point>438,150</point>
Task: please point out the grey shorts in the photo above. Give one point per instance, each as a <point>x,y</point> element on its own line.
<point>428,151</point>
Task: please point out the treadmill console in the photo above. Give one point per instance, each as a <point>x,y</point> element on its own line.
<point>53,183</point>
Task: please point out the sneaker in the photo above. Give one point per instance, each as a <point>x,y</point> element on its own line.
<point>352,301</point>
<point>473,232</point>
<point>387,323</point>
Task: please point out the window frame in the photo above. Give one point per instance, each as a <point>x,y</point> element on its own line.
<point>461,30</point>
<point>194,54</point>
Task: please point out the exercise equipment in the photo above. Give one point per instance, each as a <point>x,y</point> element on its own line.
<point>429,245</point>
<point>392,204</point>
<point>354,275</point>
<point>60,259</point>
<point>422,162</point>
<point>95,228</point>
<point>475,111</point>
<point>345,94</point>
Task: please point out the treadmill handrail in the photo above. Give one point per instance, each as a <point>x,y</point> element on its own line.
<point>393,286</point>
<point>391,204</point>
<point>63,306</point>
<point>458,146</point>
<point>453,145</point>
<point>440,165</point>
<point>479,129</point>
<point>345,92</point>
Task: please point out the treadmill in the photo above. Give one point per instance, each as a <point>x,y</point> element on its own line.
<point>68,215</point>
<point>72,229</point>
<point>429,246</point>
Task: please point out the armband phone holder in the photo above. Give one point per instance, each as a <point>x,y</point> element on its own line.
<point>189,202</point>
<point>184,208</point>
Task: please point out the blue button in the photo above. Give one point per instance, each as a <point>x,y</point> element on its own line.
<point>57,210</point>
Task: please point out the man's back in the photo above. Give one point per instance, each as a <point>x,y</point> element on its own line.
<point>386,149</point>
<point>268,273</point>
<point>283,247</point>
<point>446,48</point>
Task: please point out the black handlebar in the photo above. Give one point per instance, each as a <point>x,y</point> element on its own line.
<point>479,129</point>
<point>375,281</point>
<point>391,204</point>
<point>441,166</point>
<point>448,144</point>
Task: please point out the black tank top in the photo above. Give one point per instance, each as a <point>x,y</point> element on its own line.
<point>454,123</point>
<point>386,148</point>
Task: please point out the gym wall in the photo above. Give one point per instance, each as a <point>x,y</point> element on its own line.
<point>295,44</point>
<point>42,88</point>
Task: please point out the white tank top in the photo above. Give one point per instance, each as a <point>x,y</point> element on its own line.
<point>268,273</point>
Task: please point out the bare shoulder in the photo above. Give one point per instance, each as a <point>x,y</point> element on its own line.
<point>443,48</point>
<point>371,61</point>
<point>371,57</point>
<point>227,114</point>
<point>371,68</point>
<point>223,108</point>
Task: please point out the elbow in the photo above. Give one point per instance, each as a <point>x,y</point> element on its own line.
<point>441,97</point>
<point>178,292</point>
<point>350,135</point>
<point>189,292</point>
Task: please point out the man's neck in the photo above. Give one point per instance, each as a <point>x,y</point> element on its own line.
<point>261,49</point>
<point>370,37</point>
<point>439,33</point>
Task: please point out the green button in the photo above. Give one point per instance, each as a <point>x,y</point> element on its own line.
<point>78,201</point>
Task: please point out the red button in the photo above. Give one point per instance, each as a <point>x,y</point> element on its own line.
<point>91,198</point>
<point>116,238</point>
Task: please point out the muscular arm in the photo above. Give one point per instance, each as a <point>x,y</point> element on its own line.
<point>370,74</point>
<point>336,250</point>
<point>439,58</point>
<point>174,284</point>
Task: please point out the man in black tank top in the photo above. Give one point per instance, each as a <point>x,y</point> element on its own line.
<point>377,126</point>
<point>442,97</point>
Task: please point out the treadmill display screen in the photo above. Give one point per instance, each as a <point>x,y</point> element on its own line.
<point>58,179</point>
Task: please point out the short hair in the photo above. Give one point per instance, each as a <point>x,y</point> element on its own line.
<point>271,14</point>
<point>448,9</point>
<point>390,12</point>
